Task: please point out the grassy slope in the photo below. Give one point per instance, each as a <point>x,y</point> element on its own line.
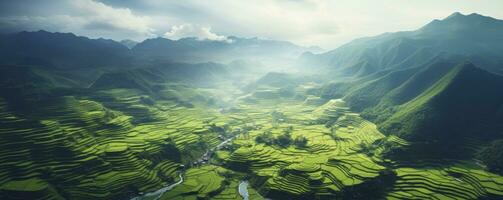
<point>408,90</point>
<point>97,143</point>
<point>464,95</point>
<point>454,116</point>
<point>87,150</point>
<point>417,105</point>
<point>369,93</point>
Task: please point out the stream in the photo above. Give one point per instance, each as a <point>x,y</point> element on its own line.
<point>243,190</point>
<point>158,193</point>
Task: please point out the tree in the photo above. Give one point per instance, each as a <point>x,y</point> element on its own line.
<point>265,138</point>
<point>284,140</point>
<point>300,141</point>
<point>492,156</point>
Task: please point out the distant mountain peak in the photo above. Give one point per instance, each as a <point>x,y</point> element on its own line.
<point>45,33</point>
<point>458,21</point>
<point>454,15</point>
<point>62,50</point>
<point>472,16</point>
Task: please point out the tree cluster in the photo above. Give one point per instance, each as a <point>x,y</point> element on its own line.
<point>284,140</point>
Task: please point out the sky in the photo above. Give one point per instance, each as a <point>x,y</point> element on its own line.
<point>324,23</point>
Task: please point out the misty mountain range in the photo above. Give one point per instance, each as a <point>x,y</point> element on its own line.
<point>66,50</point>
<point>470,37</point>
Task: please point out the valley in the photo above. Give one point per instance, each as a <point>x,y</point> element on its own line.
<point>404,115</point>
<point>122,143</point>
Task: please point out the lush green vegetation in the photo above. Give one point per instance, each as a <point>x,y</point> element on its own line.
<point>401,123</point>
<point>492,156</point>
<point>117,142</point>
<point>121,140</point>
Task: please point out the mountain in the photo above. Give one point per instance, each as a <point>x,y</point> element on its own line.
<point>475,37</point>
<point>68,51</point>
<point>147,78</point>
<point>391,87</point>
<point>445,108</point>
<point>464,94</point>
<point>234,48</point>
<point>61,50</point>
<point>439,87</point>
<point>66,60</point>
<point>464,105</point>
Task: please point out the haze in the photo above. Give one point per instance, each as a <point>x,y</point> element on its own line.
<point>327,24</point>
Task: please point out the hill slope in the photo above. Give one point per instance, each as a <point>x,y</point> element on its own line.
<point>465,98</point>
<point>446,111</point>
<point>194,50</point>
<point>61,50</point>
<point>457,34</point>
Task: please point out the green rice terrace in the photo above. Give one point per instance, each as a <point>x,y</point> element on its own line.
<point>127,144</point>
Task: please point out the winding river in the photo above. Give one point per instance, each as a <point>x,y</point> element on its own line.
<point>243,190</point>
<point>158,193</point>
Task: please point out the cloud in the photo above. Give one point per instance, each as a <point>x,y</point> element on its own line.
<point>190,30</point>
<point>101,16</point>
<point>84,17</point>
<point>328,23</point>
<point>307,22</point>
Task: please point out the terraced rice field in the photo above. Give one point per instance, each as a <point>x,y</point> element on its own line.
<point>460,181</point>
<point>86,150</point>
<point>113,145</point>
<point>322,168</point>
<point>342,159</point>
